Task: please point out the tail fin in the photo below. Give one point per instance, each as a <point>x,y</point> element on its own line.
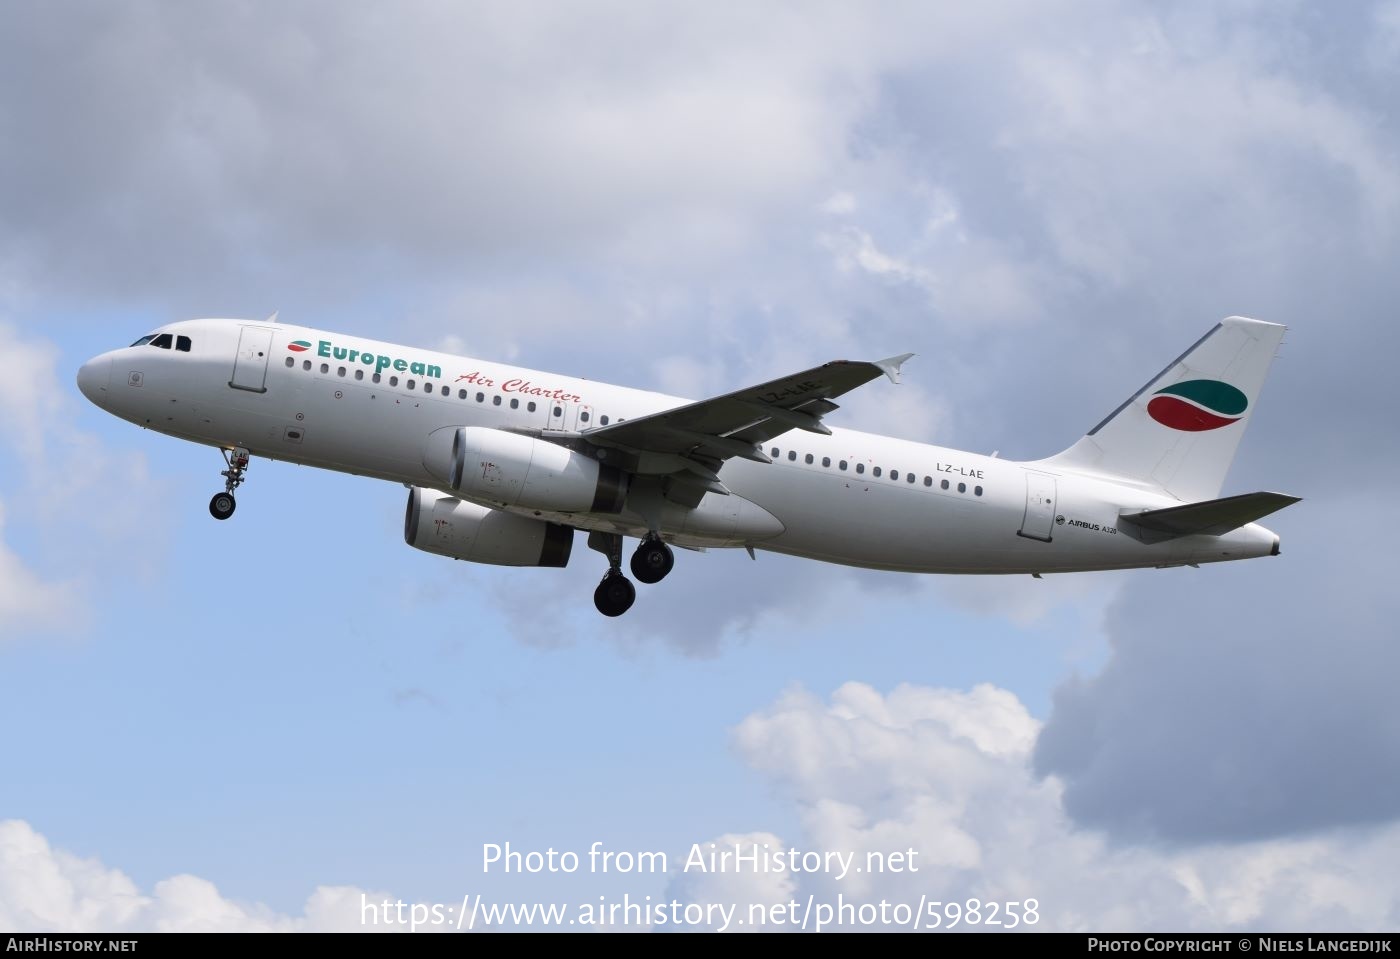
<point>1180,431</point>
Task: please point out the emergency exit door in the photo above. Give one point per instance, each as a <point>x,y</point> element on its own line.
<point>569,416</point>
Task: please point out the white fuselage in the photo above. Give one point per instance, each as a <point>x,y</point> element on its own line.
<point>366,407</point>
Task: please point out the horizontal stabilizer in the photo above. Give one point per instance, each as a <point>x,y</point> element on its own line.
<point>1213,517</point>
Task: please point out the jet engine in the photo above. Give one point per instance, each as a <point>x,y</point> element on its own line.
<point>514,470</point>
<point>442,524</point>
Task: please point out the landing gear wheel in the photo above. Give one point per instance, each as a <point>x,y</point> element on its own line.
<point>614,595</point>
<point>222,505</point>
<point>652,561</point>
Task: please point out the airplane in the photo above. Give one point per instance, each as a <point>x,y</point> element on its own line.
<point>503,464</point>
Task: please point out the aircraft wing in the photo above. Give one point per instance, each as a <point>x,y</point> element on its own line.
<point>738,423</point>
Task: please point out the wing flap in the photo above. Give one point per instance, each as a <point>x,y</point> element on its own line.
<point>1213,517</point>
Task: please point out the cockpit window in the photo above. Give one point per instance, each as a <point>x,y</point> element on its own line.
<point>183,344</point>
<point>165,341</point>
<point>144,340</point>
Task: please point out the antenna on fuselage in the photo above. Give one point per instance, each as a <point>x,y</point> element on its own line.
<point>272,318</point>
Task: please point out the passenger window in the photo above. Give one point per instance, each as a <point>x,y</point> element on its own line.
<point>876,471</point>
<point>495,401</point>
<point>945,484</point>
<point>912,477</point>
<point>447,391</point>
<point>604,420</point>
<point>792,455</point>
<point>461,394</point>
<point>583,417</point>
<point>306,365</point>
<point>894,475</point>
<point>427,387</point>
<point>481,397</point>
<point>340,371</point>
<point>164,341</point>
<point>810,460</point>
<point>962,487</point>
<point>411,384</point>
<point>393,381</point>
<point>842,464</point>
<point>530,406</point>
<point>826,460</point>
<point>860,467</point>
<point>976,491</point>
<point>775,452</point>
<point>325,367</point>
<point>375,378</point>
<point>359,374</point>
<point>291,362</point>
<point>183,344</point>
<point>558,411</point>
<point>514,404</point>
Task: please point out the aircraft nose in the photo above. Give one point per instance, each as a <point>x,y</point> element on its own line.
<point>93,377</point>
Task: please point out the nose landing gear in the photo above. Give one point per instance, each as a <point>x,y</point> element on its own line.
<point>223,504</point>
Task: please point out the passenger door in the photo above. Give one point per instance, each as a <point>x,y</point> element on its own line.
<point>250,364</point>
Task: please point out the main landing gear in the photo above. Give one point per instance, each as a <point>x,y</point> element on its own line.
<point>223,504</point>
<point>652,560</point>
<point>650,564</point>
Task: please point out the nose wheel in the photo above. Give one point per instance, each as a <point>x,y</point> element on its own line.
<point>223,504</point>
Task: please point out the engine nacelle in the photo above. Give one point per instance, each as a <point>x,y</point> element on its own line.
<point>448,526</point>
<point>515,470</point>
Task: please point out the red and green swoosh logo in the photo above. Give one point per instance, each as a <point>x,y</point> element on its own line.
<point>299,346</point>
<point>1197,405</point>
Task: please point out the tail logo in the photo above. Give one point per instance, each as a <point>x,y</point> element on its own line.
<point>299,346</point>
<point>1195,406</point>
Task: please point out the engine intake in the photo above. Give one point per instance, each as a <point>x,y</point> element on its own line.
<point>442,524</point>
<point>514,470</point>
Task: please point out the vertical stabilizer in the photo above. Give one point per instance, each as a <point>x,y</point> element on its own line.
<point>1180,431</point>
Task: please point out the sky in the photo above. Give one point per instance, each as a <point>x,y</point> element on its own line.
<point>253,724</point>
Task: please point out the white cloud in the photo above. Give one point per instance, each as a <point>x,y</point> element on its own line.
<point>26,599</point>
<point>65,479</point>
<point>30,395</point>
<point>719,888</point>
<point>43,889</point>
<point>838,204</point>
<point>947,773</point>
<point>855,248</point>
<point>1131,151</point>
